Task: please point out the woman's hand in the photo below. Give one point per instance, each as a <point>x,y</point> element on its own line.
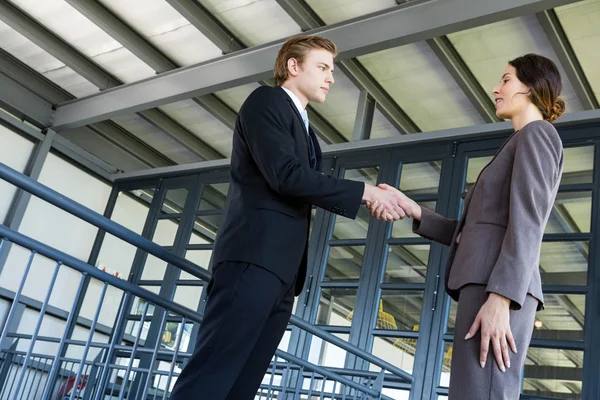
<point>494,321</point>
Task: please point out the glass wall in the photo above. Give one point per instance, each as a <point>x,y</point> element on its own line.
<point>380,286</point>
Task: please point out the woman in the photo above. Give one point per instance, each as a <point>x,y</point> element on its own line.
<point>493,269</point>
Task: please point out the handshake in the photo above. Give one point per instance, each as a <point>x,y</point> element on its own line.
<point>388,203</point>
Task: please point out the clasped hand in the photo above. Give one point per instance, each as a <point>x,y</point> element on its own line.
<point>388,203</point>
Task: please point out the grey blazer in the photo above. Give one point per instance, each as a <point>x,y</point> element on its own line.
<point>504,217</point>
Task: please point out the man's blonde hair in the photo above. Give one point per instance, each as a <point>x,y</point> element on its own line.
<point>298,47</point>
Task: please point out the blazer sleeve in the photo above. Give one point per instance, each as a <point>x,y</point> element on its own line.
<point>435,227</point>
<point>536,171</point>
<point>265,122</point>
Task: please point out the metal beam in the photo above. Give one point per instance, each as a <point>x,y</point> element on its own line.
<point>566,55</point>
<point>308,19</point>
<point>364,117</point>
<point>419,20</point>
<point>358,74</point>
<point>23,103</point>
<point>96,134</point>
<point>454,64</point>
<point>210,27</point>
<point>144,50</point>
<point>125,35</point>
<point>463,133</point>
<point>57,47</point>
<point>222,37</point>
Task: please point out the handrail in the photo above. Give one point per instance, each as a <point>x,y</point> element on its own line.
<point>72,262</point>
<point>98,220</point>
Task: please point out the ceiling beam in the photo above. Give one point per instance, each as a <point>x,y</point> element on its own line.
<point>23,103</point>
<point>145,51</point>
<point>419,20</point>
<point>206,23</point>
<point>566,55</point>
<point>57,47</point>
<point>308,20</point>
<point>222,37</point>
<point>51,93</point>
<point>454,64</point>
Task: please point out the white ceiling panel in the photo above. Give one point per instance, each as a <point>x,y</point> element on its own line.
<point>254,22</point>
<point>66,22</point>
<point>581,22</point>
<point>202,124</point>
<point>381,127</point>
<point>156,139</point>
<point>333,11</point>
<point>340,106</point>
<point>422,87</point>
<point>487,50</point>
<point>166,29</point>
<point>30,54</point>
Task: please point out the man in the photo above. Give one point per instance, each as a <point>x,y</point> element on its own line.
<point>260,254</point>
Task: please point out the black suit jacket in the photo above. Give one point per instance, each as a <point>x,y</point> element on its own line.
<point>273,186</point>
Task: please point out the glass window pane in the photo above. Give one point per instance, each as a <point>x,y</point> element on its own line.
<point>447,359</point>
<point>406,264</point>
<point>451,315</point>
<point>165,232</point>
<point>336,306</point>
<point>213,197</point>
<point>420,178</point>
<point>170,334</point>
<point>198,257</point>
<point>579,165</point>
<point>399,310</point>
<point>562,319</point>
<point>205,229</point>
<point>553,373</point>
<point>188,296</point>
<point>325,354</point>
<point>154,269</point>
<point>346,228</point>
<point>572,213</point>
<point>403,227</point>
<point>564,263</point>
<point>399,352</point>
<point>474,167</point>
<point>174,201</point>
<point>367,175</point>
<point>344,263</point>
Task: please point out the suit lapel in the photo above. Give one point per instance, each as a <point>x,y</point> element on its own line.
<point>295,110</point>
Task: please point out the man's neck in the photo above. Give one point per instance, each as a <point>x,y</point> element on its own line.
<point>303,99</point>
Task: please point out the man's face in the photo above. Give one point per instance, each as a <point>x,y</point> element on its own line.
<point>315,75</point>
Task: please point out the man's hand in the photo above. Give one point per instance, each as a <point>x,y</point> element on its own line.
<point>387,203</point>
<point>494,321</point>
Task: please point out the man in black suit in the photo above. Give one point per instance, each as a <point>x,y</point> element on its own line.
<point>261,250</point>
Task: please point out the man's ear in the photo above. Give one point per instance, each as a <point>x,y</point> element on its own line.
<point>292,66</point>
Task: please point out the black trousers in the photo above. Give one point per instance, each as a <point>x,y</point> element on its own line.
<point>247,311</point>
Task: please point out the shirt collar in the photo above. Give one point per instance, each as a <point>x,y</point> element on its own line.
<point>295,99</point>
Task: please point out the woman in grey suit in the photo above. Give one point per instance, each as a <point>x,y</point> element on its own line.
<point>493,263</point>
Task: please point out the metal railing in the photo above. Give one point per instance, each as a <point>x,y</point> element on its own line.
<point>105,367</point>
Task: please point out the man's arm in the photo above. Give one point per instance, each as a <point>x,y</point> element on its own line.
<point>267,133</point>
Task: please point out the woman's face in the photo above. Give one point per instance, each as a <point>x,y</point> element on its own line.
<point>511,95</point>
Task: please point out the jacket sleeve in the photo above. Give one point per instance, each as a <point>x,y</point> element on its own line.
<point>537,167</point>
<point>267,134</point>
<point>435,227</point>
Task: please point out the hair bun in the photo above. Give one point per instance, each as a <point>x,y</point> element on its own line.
<point>557,109</point>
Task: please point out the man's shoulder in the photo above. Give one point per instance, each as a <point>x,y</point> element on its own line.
<point>266,94</point>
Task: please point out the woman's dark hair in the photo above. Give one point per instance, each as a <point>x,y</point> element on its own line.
<point>542,77</point>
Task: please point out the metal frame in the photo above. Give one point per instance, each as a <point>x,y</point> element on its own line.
<point>566,55</point>
<point>51,43</point>
<point>419,20</point>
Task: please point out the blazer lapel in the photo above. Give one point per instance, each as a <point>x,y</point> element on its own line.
<point>295,109</point>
